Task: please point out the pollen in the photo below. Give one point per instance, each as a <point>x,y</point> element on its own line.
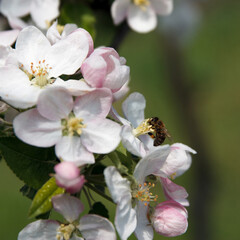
<point>72,126</point>
<point>143,128</point>
<point>143,194</point>
<point>141,3</point>
<point>65,232</point>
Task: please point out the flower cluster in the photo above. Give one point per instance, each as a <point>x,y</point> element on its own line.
<point>64,91</point>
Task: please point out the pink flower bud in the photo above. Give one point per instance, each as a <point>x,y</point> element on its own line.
<point>68,177</point>
<point>169,219</point>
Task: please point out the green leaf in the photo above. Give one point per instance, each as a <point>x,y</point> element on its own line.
<point>28,191</point>
<point>31,164</point>
<point>42,201</point>
<point>99,209</point>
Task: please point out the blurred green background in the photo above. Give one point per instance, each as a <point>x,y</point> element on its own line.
<point>193,85</point>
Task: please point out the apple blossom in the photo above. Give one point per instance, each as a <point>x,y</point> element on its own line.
<point>169,219</point>
<point>89,227</point>
<point>77,127</point>
<point>7,38</point>
<point>42,11</point>
<point>141,14</point>
<point>68,177</point>
<point>104,68</point>
<point>38,64</point>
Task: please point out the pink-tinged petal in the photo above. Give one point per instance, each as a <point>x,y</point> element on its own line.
<point>68,206</point>
<point>68,62</point>
<point>55,103</point>
<point>44,11</point>
<point>118,76</point>
<point>96,104</point>
<point>131,143</point>
<point>71,149</point>
<point>52,33</point>
<point>94,227</point>
<point>141,20</point>
<point>67,170</point>
<point>7,38</point>
<point>35,130</point>
<point>125,219</point>
<point>15,8</point>
<point>40,230</point>
<point>94,70</point>
<point>174,192</point>
<point>151,163</point>
<point>31,46</point>
<point>75,87</point>
<point>144,229</point>
<point>101,135</point>
<point>121,92</point>
<point>133,108</point>
<point>118,186</point>
<point>16,89</point>
<point>119,10</point>
<point>162,7</point>
<point>169,219</point>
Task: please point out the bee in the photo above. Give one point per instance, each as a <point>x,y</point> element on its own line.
<point>159,133</point>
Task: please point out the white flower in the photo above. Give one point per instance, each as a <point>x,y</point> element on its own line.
<point>140,14</point>
<point>129,219</point>
<point>38,64</point>
<point>7,38</point>
<point>91,226</point>
<point>41,11</point>
<point>77,127</point>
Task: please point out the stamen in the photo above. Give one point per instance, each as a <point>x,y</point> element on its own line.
<point>143,128</point>
<point>72,126</point>
<point>141,3</point>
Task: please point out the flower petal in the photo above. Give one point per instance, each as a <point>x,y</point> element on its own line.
<point>94,227</point>
<point>174,192</point>
<point>40,230</point>
<point>144,229</point>
<point>68,206</point>
<point>15,8</point>
<point>68,62</point>
<point>151,163</point>
<point>118,186</point>
<point>35,130</point>
<point>52,33</point>
<point>96,104</point>
<point>71,149</point>
<point>44,11</point>
<point>55,103</point>
<point>7,38</point>
<point>141,20</point>
<point>119,10</point>
<point>101,135</point>
<point>133,108</point>
<point>162,7</point>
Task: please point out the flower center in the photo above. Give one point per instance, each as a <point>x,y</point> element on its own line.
<point>38,73</point>
<point>65,231</point>
<point>144,128</point>
<point>143,194</point>
<point>141,3</point>
<point>72,126</point>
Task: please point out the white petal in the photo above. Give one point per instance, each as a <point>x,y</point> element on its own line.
<point>75,87</point>
<point>71,149</point>
<point>44,11</point>
<point>133,108</point>
<point>101,136</point>
<point>40,230</point>
<point>119,10</point>
<point>69,28</point>
<point>16,23</point>
<point>125,219</point>
<point>66,56</point>
<point>7,38</point>
<point>96,104</point>
<point>55,103</point>
<point>52,33</point>
<point>162,7</point>
<point>68,206</point>
<point>94,227</point>
<point>118,186</point>
<point>36,130</point>
<point>16,89</point>
<point>131,143</point>
<point>16,8</point>
<point>5,52</point>
<point>117,117</point>
<point>144,230</point>
<point>141,20</point>
<point>31,46</point>
<point>151,163</point>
